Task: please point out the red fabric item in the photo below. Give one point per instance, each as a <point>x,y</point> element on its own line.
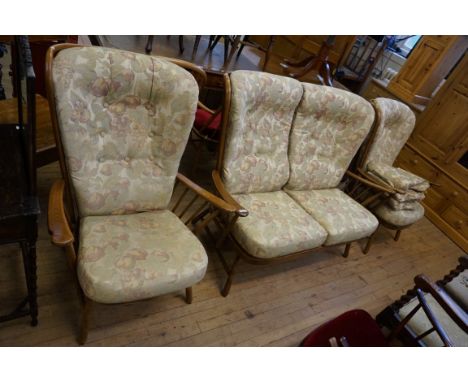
<point>202,117</point>
<point>357,326</point>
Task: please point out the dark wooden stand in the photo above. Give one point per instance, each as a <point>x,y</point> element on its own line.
<point>19,206</point>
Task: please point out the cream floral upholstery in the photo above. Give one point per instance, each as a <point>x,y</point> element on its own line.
<point>132,257</point>
<point>458,289</point>
<point>420,323</point>
<point>256,150</point>
<point>399,218</point>
<point>329,127</point>
<point>397,177</point>
<point>276,226</point>
<point>344,219</point>
<point>396,125</point>
<point>124,119</point>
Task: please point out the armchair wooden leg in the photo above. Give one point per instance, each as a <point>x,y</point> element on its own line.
<point>227,286</point>
<point>188,295</point>
<point>346,251</point>
<point>397,235</point>
<point>84,324</point>
<point>368,244</point>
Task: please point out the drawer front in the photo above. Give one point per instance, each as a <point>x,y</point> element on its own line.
<point>456,219</point>
<point>453,192</point>
<point>414,163</point>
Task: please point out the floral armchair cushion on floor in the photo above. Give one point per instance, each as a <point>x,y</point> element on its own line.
<point>124,126</point>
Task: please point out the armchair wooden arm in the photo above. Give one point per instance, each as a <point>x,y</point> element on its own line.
<point>455,312</point>
<point>206,195</point>
<point>59,228</point>
<point>240,211</point>
<point>370,183</point>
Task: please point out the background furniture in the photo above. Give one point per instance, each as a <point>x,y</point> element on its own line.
<point>246,41</point>
<point>432,314</point>
<point>431,60</point>
<point>19,206</point>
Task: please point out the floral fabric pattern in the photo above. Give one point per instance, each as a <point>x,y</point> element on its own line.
<point>124,120</point>
<point>126,258</point>
<point>397,177</point>
<point>395,127</point>
<point>343,218</point>
<point>329,127</point>
<point>419,323</point>
<point>256,150</point>
<point>275,226</point>
<point>399,218</point>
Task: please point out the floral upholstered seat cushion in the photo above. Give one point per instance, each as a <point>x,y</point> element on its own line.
<point>124,120</point>
<point>399,218</point>
<point>396,123</point>
<point>276,226</point>
<point>257,136</point>
<point>458,289</point>
<point>126,258</point>
<point>420,323</point>
<point>329,127</point>
<point>343,218</point>
<point>397,177</point>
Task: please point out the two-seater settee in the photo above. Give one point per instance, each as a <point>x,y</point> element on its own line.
<point>285,148</point>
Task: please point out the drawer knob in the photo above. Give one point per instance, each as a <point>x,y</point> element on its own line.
<point>455,194</point>
<point>459,223</point>
<point>414,161</point>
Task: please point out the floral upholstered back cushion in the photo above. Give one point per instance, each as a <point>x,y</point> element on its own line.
<point>256,148</point>
<point>124,120</point>
<point>395,127</point>
<point>329,127</point>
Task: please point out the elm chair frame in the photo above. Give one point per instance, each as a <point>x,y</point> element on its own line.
<point>242,212</point>
<point>390,318</point>
<point>63,215</point>
<point>367,196</point>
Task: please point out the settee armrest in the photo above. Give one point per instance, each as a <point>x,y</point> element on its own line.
<point>240,211</point>
<point>59,228</point>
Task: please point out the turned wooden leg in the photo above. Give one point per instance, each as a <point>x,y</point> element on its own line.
<point>28,251</point>
<point>188,295</point>
<point>84,324</point>
<point>346,251</point>
<point>227,286</point>
<point>149,45</point>
<point>397,235</point>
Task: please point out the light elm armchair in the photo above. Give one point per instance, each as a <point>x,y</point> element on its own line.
<point>285,148</point>
<point>400,208</point>
<point>122,121</point>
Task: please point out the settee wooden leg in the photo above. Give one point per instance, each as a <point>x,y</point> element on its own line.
<point>227,286</point>
<point>397,235</point>
<point>346,251</point>
<point>84,324</point>
<point>188,295</point>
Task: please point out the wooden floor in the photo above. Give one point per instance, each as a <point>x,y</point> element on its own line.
<point>267,306</point>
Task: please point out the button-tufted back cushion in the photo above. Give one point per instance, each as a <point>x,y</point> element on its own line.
<point>395,127</point>
<point>124,120</point>
<point>329,127</point>
<point>256,148</point>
